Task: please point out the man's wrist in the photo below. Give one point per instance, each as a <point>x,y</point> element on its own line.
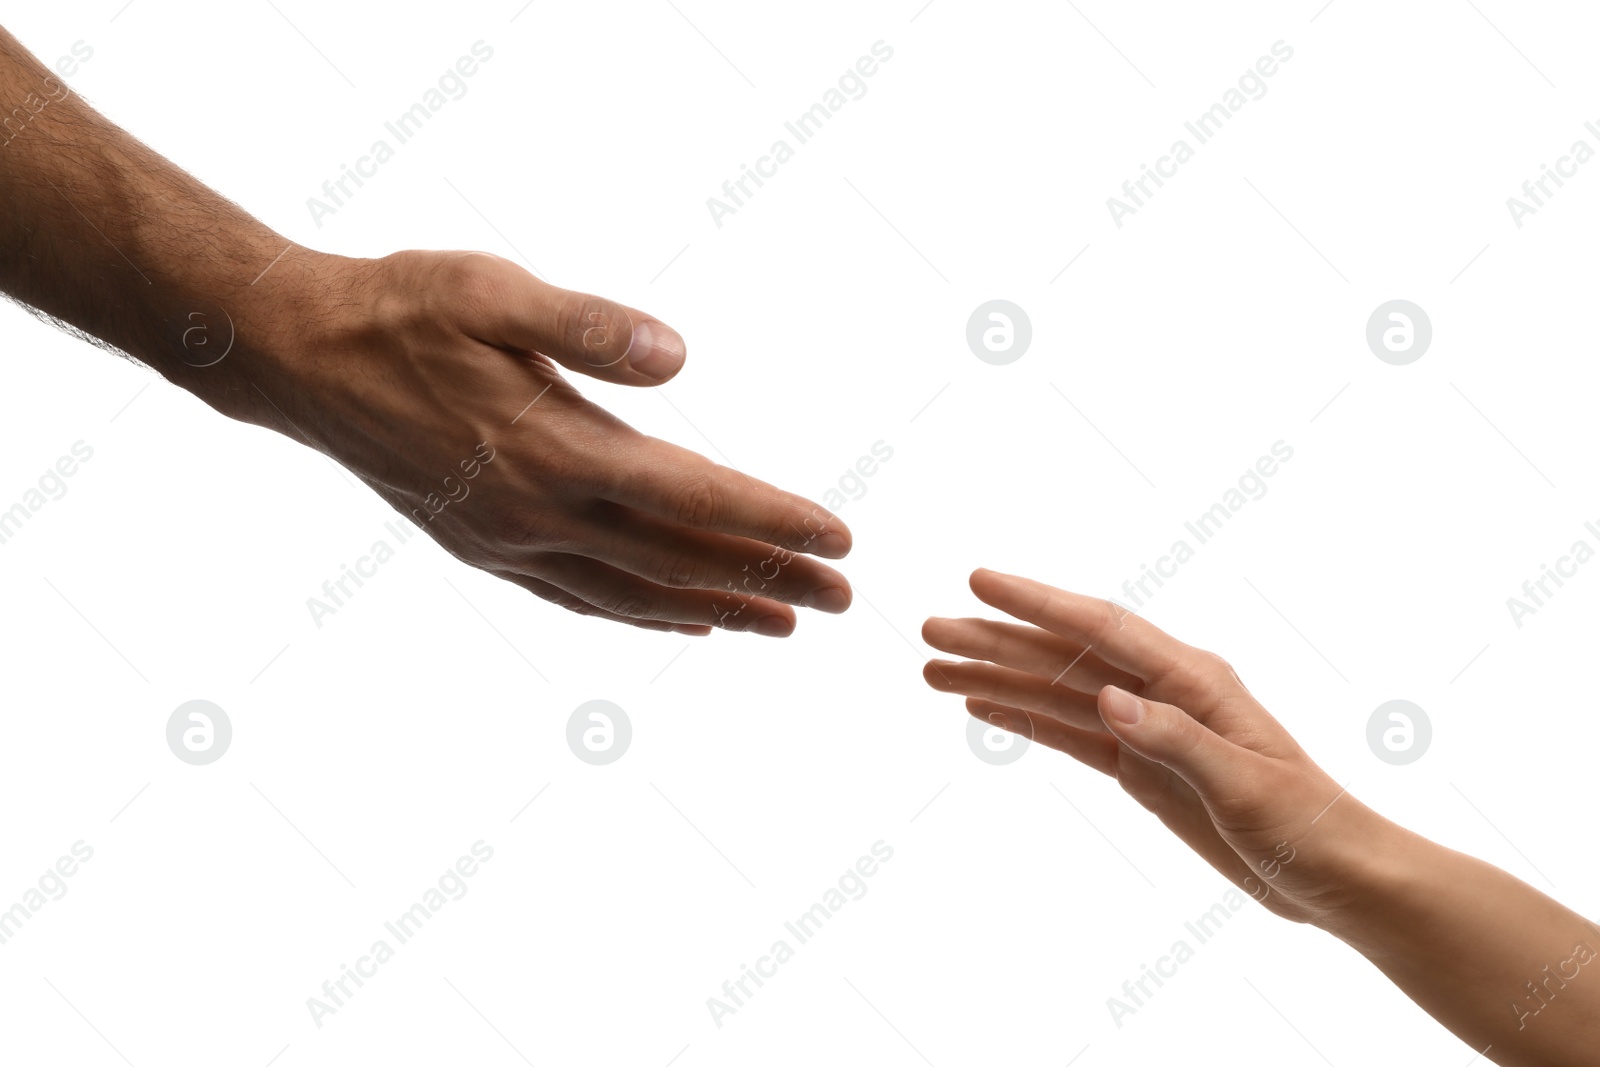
<point>103,234</point>
<point>243,344</point>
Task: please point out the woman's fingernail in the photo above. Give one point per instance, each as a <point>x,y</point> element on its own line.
<point>655,351</point>
<point>1122,705</point>
<point>831,599</point>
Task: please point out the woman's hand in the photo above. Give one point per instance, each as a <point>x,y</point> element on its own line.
<point>1172,724</point>
<point>1504,967</point>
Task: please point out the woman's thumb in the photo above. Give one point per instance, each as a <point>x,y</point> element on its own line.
<point>1170,736</point>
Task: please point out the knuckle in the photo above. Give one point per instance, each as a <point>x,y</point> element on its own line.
<point>472,283</point>
<point>550,594</point>
<point>700,506</point>
<point>590,326</point>
<point>528,535</point>
<point>681,572</point>
<point>1109,619</point>
<point>574,605</point>
<point>523,530</point>
<point>1213,668</point>
<point>633,606</point>
<point>569,318</point>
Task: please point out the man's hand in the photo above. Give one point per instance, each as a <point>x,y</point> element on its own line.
<point>432,375</point>
<point>436,377</point>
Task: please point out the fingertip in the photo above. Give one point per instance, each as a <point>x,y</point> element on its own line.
<point>835,542</point>
<point>773,626</point>
<point>933,673</point>
<point>984,578</point>
<point>1118,707</point>
<point>986,711</point>
<point>1013,720</point>
<point>655,350</point>
<point>692,631</point>
<point>832,599</point>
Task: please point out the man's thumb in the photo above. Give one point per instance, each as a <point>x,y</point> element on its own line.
<point>587,334</point>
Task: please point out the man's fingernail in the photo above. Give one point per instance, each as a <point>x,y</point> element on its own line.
<point>1123,705</point>
<point>772,626</point>
<point>831,544</point>
<point>655,350</point>
<point>832,599</point>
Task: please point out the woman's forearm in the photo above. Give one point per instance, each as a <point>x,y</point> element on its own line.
<point>1507,969</point>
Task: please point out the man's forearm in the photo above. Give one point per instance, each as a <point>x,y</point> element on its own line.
<point>1496,961</point>
<point>100,232</point>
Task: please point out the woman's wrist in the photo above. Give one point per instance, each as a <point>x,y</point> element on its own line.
<point>1384,872</point>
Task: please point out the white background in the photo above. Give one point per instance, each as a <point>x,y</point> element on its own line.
<point>826,315</point>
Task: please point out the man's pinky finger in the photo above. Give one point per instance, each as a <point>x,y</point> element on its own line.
<point>578,606</point>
